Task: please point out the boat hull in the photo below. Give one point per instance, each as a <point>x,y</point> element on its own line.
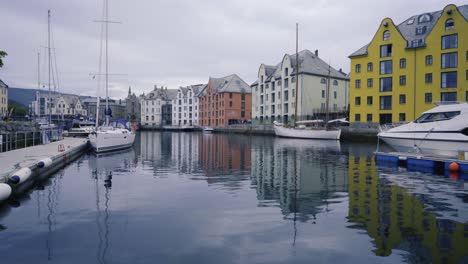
<point>103,141</point>
<point>439,144</point>
<point>307,133</point>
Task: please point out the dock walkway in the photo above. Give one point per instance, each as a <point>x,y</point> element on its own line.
<point>28,157</point>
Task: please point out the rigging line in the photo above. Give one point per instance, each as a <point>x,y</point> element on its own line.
<point>100,68</point>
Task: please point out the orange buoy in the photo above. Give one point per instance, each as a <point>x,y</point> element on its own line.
<point>454,167</point>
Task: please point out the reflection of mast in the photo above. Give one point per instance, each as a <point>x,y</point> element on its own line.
<point>98,217</point>
<point>295,198</point>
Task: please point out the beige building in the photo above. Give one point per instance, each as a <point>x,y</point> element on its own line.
<point>274,92</point>
<point>3,99</point>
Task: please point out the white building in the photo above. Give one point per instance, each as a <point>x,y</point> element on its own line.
<point>273,94</point>
<point>156,107</point>
<point>185,106</point>
<point>58,104</point>
<point>3,99</point>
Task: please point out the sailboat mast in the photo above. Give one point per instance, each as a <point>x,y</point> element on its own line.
<point>297,74</point>
<point>328,97</point>
<point>107,62</point>
<point>38,79</point>
<point>49,104</point>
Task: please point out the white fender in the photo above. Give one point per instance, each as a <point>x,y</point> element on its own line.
<point>20,175</point>
<point>5,191</point>
<point>44,163</point>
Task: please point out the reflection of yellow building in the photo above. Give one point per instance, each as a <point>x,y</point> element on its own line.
<point>397,220</point>
<point>407,67</point>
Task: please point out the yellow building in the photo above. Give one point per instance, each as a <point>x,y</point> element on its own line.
<point>407,67</point>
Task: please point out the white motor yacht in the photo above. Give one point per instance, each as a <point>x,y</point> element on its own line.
<point>81,129</point>
<point>443,131</point>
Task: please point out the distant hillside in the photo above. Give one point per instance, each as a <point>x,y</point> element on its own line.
<point>26,96</point>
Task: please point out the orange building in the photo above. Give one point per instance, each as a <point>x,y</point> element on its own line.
<point>225,101</point>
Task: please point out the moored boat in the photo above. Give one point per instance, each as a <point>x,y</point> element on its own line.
<point>443,131</point>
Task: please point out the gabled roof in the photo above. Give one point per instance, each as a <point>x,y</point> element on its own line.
<point>312,64</point>
<point>231,83</point>
<point>3,85</point>
<point>410,26</point>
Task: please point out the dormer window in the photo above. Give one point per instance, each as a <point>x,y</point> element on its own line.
<point>420,30</point>
<point>286,72</point>
<point>424,18</point>
<point>410,22</point>
<point>449,24</point>
<point>386,35</point>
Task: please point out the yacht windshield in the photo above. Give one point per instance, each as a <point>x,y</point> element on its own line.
<point>433,117</point>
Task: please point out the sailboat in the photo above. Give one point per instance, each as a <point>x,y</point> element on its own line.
<point>113,136</point>
<point>302,131</point>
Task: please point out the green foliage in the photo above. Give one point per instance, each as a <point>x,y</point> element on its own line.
<point>19,109</point>
<point>2,55</point>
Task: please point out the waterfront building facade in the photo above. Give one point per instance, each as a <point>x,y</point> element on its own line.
<point>407,67</point>
<point>117,108</point>
<point>225,101</point>
<point>3,99</point>
<point>152,107</point>
<point>132,105</point>
<point>185,106</point>
<point>57,105</point>
<point>274,92</point>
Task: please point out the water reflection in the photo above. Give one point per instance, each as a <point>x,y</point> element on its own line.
<point>422,214</point>
<point>301,176</point>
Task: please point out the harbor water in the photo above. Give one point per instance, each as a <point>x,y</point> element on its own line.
<point>217,198</point>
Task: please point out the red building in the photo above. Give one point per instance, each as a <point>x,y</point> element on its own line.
<point>225,101</point>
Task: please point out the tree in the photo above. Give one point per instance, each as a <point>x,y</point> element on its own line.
<point>2,55</point>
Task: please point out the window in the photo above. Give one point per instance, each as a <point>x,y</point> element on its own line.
<point>449,60</point>
<point>431,117</point>
<point>286,71</point>
<point>230,103</point>
<point>420,30</point>
<point>369,100</point>
<point>402,117</point>
<point>261,88</point>
<point>267,85</point>
<point>429,60</point>
<point>466,75</point>
<point>293,79</point>
<point>358,83</point>
<point>428,77</point>
<point>286,98</point>
<point>370,83</point>
<point>386,67</point>
<point>403,80</point>
<point>357,117</point>
<point>323,93</point>
<point>428,98</point>
<point>335,82</point>
<point>357,100</point>
<point>386,102</point>
<point>424,18</point>
<point>450,41</point>
<point>273,86</point>
<point>230,95</point>
<point>242,97</point>
<point>402,99</point>
<point>449,24</point>
<point>261,79</point>
<point>402,63</point>
<point>466,96</point>
<point>369,117</point>
<point>449,80</point>
<point>334,94</point>
<point>370,67</point>
<point>323,80</point>
<point>386,51</point>
<point>386,35</point>
<point>286,108</point>
<point>272,97</point>
<point>386,84</point>
<point>358,68</point>
<point>286,83</point>
<point>448,97</point>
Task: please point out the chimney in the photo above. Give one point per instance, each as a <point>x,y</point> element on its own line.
<point>341,70</point>
<point>316,52</point>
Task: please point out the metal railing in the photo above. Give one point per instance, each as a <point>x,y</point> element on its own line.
<point>22,139</point>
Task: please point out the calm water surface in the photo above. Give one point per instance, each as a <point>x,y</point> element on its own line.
<point>209,198</point>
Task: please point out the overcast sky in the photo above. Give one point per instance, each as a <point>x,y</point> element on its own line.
<point>176,43</point>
